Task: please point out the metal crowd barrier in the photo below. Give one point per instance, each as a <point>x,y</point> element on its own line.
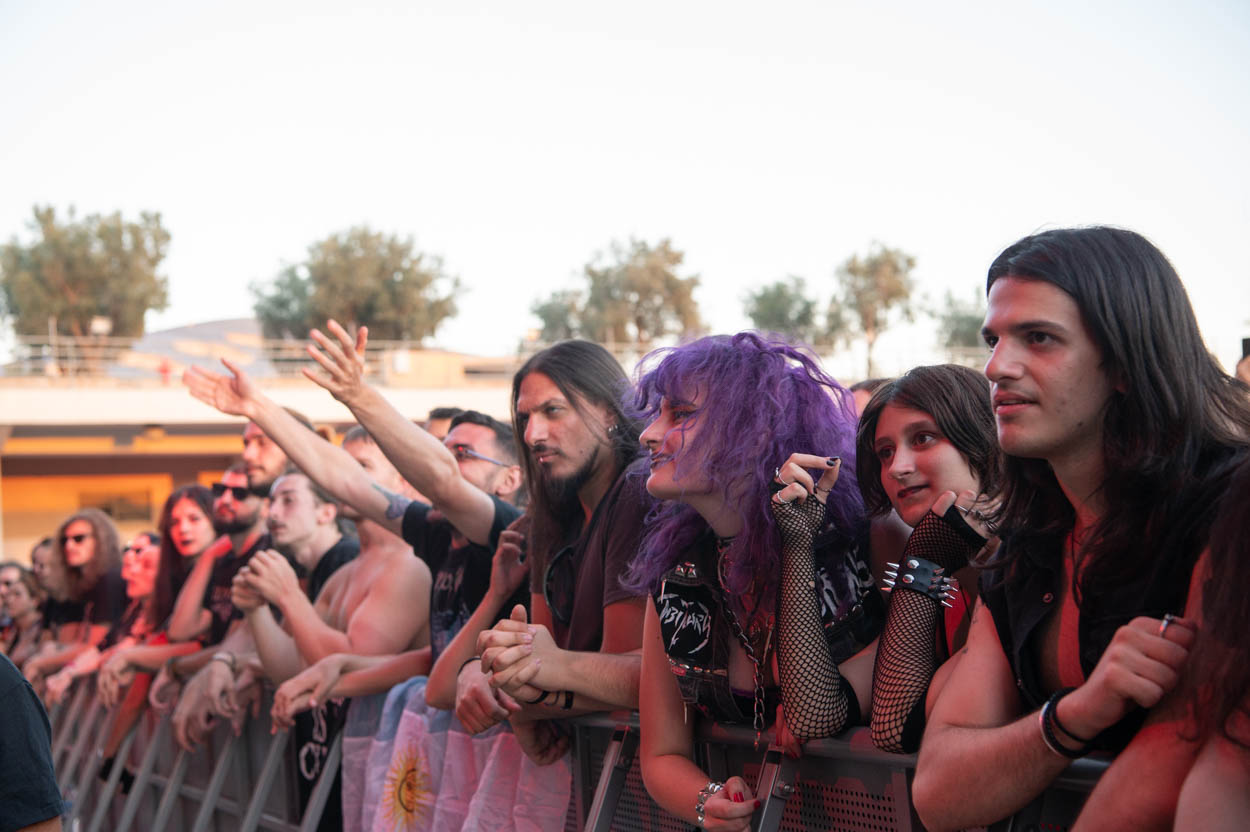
<point>248,782</point>
<point>844,783</point>
<point>244,782</point>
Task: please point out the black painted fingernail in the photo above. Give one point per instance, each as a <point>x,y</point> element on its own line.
<point>834,460</point>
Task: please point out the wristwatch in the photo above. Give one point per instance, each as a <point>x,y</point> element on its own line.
<point>707,791</point>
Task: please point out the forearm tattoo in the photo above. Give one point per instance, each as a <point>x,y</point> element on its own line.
<point>396,504</point>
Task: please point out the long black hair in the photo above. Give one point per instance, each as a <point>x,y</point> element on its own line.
<point>1172,431</point>
<point>174,567</point>
<point>585,373</point>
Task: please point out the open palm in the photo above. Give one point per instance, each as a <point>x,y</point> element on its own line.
<point>234,394</point>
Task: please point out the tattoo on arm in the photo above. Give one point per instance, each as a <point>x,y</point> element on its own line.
<point>395,504</point>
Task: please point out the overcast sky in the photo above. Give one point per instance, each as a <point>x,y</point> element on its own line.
<point>518,139</point>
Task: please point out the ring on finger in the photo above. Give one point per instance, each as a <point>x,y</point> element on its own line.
<point>1165,623</point>
<point>777,477</point>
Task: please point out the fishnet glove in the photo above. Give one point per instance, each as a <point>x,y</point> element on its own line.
<point>811,687</point>
<point>907,653</point>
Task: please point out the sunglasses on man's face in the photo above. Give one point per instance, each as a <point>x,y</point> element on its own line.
<point>77,538</point>
<point>239,492</point>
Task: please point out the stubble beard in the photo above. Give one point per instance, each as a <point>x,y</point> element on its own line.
<point>561,492</point>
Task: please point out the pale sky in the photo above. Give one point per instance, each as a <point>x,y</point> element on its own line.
<point>517,139</point>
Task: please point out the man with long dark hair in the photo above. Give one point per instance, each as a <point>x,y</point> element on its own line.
<point>586,513</point>
<point>1120,432</point>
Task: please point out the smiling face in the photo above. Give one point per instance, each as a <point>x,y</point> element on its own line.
<point>79,543</point>
<point>667,438</point>
<point>140,560</point>
<point>566,442</point>
<point>190,529</point>
<point>917,462</point>
<point>1049,388</point>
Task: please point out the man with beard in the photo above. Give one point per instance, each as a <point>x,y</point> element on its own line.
<point>581,449</point>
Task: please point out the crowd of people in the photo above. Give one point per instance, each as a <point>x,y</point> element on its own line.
<point>1002,571</point>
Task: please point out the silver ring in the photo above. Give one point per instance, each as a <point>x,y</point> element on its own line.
<point>777,477</point>
<point>1165,623</point>
<point>961,508</point>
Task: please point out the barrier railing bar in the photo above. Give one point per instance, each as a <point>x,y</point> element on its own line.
<point>208,803</point>
<point>65,729</point>
<point>105,796</point>
<point>268,772</point>
<point>172,785</point>
<point>91,763</point>
<point>80,743</point>
<point>773,789</point>
<point>900,785</point>
<point>140,786</point>
<point>617,760</point>
<point>321,791</point>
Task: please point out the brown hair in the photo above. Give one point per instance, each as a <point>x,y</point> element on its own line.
<point>108,551</point>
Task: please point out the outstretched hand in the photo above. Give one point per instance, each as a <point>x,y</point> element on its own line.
<point>342,358</point>
<point>235,394</point>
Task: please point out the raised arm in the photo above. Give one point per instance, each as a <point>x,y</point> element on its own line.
<point>325,463</point>
<point>419,457</point>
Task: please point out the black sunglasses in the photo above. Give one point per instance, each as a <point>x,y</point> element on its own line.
<point>558,580</point>
<point>77,538</point>
<point>239,492</point>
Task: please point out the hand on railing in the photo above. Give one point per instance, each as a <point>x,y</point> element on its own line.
<point>730,809</point>
<point>305,690</point>
<point>542,740</point>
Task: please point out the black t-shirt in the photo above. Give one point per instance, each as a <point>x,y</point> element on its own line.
<point>55,613</point>
<point>28,792</point>
<point>461,574</point>
<point>592,564</point>
<point>217,593</point>
<point>105,602</point>
<point>340,553</point>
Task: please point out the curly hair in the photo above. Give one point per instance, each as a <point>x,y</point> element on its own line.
<point>108,551</point>
<point>760,399</point>
<point>958,399</point>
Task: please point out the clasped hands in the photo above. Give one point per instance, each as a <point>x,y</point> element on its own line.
<point>266,577</point>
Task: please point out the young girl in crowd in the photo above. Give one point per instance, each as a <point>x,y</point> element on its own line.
<point>186,530</point>
<point>86,545</point>
<point>22,600</point>
<point>725,413</point>
<point>927,448</point>
<point>140,559</point>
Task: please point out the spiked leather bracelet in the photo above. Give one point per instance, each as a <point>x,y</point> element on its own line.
<point>923,576</point>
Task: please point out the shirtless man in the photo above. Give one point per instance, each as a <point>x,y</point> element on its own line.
<point>1120,432</point>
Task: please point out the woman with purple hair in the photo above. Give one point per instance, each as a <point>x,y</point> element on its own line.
<point>746,591</point>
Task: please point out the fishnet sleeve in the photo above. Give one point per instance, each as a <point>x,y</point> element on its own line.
<point>907,653</point>
<point>812,691</point>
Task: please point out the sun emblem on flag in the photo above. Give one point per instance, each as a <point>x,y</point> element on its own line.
<point>406,796</point>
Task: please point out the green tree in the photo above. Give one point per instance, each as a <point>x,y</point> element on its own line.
<point>783,306</point>
<point>959,322</point>
<point>75,270</point>
<point>359,277</point>
<point>560,315</point>
<point>870,289</point>
<point>633,295</point>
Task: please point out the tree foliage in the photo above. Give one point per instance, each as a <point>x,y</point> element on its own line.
<point>870,289</point>
<point>75,270</point>
<point>359,277</point>
<point>959,322</point>
<point>784,306</point>
<point>633,295</point>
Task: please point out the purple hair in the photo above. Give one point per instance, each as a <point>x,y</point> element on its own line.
<point>760,400</point>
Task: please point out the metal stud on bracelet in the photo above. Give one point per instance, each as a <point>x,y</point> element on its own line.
<point>707,791</point>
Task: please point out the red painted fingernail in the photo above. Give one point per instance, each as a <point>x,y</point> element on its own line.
<point>757,804</point>
<point>738,798</point>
